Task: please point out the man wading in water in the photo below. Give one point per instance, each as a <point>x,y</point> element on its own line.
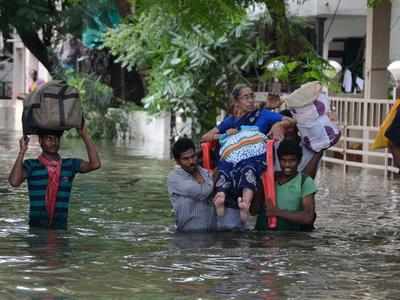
<point>50,177</point>
<point>190,188</point>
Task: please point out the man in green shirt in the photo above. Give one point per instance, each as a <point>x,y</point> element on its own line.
<point>295,205</point>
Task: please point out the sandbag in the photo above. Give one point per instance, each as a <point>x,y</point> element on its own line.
<point>54,106</point>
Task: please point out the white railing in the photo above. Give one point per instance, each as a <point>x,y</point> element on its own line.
<point>359,120</point>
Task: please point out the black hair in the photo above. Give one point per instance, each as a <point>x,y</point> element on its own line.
<point>182,145</point>
<point>286,113</point>
<point>290,147</point>
<point>57,133</point>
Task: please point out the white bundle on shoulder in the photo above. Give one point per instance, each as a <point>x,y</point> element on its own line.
<point>310,107</point>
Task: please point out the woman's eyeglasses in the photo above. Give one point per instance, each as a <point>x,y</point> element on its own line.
<point>250,96</point>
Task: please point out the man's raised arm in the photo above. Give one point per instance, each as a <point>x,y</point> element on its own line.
<point>94,162</point>
<point>17,174</point>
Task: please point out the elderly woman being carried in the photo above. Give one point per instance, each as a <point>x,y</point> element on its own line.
<point>242,154</point>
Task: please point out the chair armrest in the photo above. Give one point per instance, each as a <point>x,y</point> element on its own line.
<point>207,148</point>
<point>268,179</point>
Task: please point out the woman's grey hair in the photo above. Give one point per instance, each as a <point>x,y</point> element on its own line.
<point>236,91</point>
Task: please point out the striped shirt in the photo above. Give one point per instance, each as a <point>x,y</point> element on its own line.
<point>191,200</point>
<point>38,179</point>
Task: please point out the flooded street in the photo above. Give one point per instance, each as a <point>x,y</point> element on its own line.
<point>121,242</point>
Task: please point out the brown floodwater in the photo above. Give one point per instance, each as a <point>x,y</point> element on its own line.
<point>121,242</point>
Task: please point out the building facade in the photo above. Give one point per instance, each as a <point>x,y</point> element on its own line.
<point>340,29</point>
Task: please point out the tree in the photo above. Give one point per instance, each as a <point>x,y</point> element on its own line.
<point>34,22</point>
<point>39,23</point>
<point>212,14</point>
<point>190,66</point>
<point>191,53</point>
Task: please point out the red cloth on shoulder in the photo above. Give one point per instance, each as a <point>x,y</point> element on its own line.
<point>54,171</point>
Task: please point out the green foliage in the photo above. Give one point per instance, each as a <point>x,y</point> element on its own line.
<point>216,14</point>
<point>96,98</point>
<point>94,94</point>
<point>302,68</point>
<point>374,3</point>
<point>118,119</point>
<point>210,14</point>
<point>130,106</point>
<point>33,15</point>
<point>283,73</point>
<point>52,19</point>
<point>187,70</point>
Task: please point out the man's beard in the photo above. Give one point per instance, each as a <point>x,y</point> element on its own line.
<point>191,169</point>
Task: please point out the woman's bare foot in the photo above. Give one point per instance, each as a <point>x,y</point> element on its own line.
<point>219,202</point>
<point>244,207</point>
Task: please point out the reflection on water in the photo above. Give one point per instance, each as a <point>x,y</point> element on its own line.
<point>141,147</point>
<point>121,245</point>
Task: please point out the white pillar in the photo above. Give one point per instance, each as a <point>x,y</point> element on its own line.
<point>327,42</point>
<point>377,51</point>
<point>18,68</point>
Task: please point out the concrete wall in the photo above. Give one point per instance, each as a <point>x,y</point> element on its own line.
<point>377,51</point>
<point>302,8</point>
<point>343,27</point>
<point>346,7</point>
<point>395,31</point>
<point>348,21</point>
<point>312,8</point>
<point>6,71</point>
<point>19,68</point>
<point>6,76</point>
<point>24,63</point>
<point>10,115</point>
<point>150,132</point>
<point>31,63</point>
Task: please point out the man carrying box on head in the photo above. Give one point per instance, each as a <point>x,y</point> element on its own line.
<point>50,177</point>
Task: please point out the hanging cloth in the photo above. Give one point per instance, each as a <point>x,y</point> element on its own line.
<point>360,83</point>
<point>100,16</point>
<point>347,81</point>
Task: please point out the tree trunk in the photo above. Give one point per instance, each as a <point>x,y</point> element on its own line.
<point>124,7</point>
<point>127,85</point>
<point>34,44</point>
<point>280,27</point>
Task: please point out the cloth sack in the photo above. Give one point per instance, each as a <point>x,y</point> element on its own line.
<point>54,106</point>
<point>247,143</point>
<point>317,131</point>
<point>320,134</point>
<point>304,95</point>
<point>312,111</point>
